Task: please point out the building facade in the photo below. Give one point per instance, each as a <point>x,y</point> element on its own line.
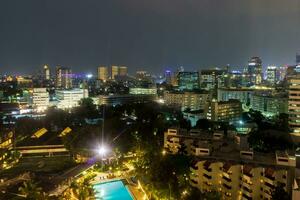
<point>123,71</point>
<point>68,99</point>
<point>294,105</point>
<point>269,104</point>
<point>272,75</point>
<point>102,73</point>
<point>298,59</point>
<point>113,100</point>
<point>118,71</point>
<point>187,100</point>
<point>213,79</point>
<point>255,71</point>
<point>46,73</point>
<point>139,90</point>
<point>63,78</point>
<point>232,171</point>
<point>226,111</point>
<point>188,80</point>
<point>40,99</point>
<point>241,94</point>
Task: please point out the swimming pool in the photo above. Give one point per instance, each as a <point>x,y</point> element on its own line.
<point>114,190</point>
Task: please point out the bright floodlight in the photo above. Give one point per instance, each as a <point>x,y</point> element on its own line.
<point>89,75</point>
<point>102,150</point>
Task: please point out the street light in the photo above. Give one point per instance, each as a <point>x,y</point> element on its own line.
<point>102,150</point>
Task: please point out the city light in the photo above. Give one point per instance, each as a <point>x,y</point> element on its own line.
<point>102,150</point>
<point>89,76</point>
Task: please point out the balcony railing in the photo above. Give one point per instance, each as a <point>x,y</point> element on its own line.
<point>207,176</point>
<point>227,179</point>
<point>207,169</point>
<point>227,186</point>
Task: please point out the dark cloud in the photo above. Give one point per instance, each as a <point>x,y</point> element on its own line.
<point>145,34</point>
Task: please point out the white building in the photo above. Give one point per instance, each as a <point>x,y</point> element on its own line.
<point>143,91</point>
<point>70,98</point>
<point>40,99</point>
<point>294,106</point>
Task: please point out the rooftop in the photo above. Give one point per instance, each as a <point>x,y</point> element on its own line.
<point>228,150</point>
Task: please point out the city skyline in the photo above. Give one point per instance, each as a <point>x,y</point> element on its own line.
<point>146,35</point>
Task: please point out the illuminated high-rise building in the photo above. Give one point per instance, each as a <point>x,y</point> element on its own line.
<point>40,99</point>
<point>255,70</point>
<point>298,58</point>
<point>118,71</point>
<point>272,75</point>
<point>123,71</point>
<point>102,73</point>
<point>63,77</point>
<point>114,71</point>
<point>282,72</point>
<point>46,72</point>
<point>168,76</point>
<point>188,80</point>
<point>213,78</point>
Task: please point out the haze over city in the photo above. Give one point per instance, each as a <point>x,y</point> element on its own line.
<point>150,99</point>
<point>150,35</point>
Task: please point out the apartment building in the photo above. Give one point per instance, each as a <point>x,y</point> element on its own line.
<point>294,106</point>
<point>229,111</point>
<point>187,100</point>
<point>232,170</point>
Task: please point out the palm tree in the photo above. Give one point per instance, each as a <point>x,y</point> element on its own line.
<point>30,190</point>
<point>82,191</point>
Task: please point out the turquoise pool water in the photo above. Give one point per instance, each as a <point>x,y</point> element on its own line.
<point>114,190</point>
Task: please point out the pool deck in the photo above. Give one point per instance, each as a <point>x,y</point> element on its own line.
<point>136,193</point>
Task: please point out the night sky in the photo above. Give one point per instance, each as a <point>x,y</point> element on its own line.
<point>146,34</point>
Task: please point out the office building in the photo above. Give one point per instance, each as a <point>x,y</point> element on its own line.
<point>272,75</point>
<point>102,73</point>
<point>282,72</point>
<point>123,71</point>
<point>46,72</point>
<point>168,77</point>
<point>226,111</point>
<point>114,71</point>
<point>235,79</point>
<point>70,98</point>
<point>212,79</point>
<point>298,59</point>
<point>118,71</point>
<point>63,78</point>
<point>187,100</point>
<point>255,70</point>
<point>40,99</point>
<point>294,105</point>
<point>188,80</point>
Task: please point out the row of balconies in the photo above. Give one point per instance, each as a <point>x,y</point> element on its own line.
<point>245,188</point>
